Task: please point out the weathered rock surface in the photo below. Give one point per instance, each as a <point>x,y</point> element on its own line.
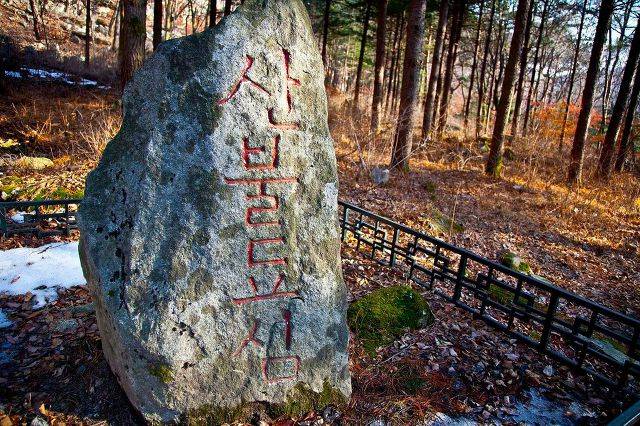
<point>209,228</point>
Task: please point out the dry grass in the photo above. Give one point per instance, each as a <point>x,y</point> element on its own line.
<point>68,125</point>
<point>56,121</point>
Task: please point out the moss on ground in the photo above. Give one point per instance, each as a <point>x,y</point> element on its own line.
<point>504,296</point>
<point>410,378</point>
<point>385,314</point>
<point>513,261</point>
<point>430,187</point>
<point>66,194</point>
<point>443,224</point>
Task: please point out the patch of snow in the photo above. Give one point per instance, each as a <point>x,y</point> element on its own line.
<point>4,321</point>
<point>40,271</point>
<point>540,410</point>
<point>18,217</point>
<point>54,75</point>
<point>441,419</point>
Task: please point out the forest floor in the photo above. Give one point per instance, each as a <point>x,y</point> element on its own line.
<point>587,241</point>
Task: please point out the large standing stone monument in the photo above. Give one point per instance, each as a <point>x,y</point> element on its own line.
<point>209,228</point>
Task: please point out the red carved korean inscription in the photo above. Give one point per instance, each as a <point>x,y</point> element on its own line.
<point>261,180</point>
<point>244,78</point>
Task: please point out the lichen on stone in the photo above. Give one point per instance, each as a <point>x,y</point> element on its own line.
<point>301,400</point>
<point>162,371</point>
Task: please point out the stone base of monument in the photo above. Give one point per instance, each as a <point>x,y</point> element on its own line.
<point>209,230</point>
<point>301,400</point>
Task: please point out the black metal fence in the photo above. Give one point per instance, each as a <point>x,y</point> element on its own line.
<point>40,218</point>
<point>573,330</point>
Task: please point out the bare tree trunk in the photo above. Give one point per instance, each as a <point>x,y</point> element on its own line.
<point>116,26</point>
<point>403,141</point>
<point>227,7</point>
<point>325,30</point>
<point>157,22</point>
<point>379,65</point>
<point>579,140</point>
<point>611,137</point>
<point>572,76</point>
<point>429,100</point>
<point>536,59</point>
<point>483,67</point>
<point>34,14</point>
<point>605,109</point>
<point>87,36</point>
<point>524,55</point>
<point>608,76</point>
<point>213,13</point>
<point>494,161</point>
<point>133,34</point>
<point>42,8</point>
<point>626,144</point>
<point>474,65</point>
<point>452,54</point>
<point>363,45</point>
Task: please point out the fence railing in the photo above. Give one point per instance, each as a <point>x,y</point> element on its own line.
<point>40,218</point>
<point>574,330</point>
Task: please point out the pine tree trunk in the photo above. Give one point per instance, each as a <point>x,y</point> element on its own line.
<point>494,161</point>
<point>227,7</point>
<point>403,141</point>
<point>438,94</point>
<point>483,68</point>
<point>536,59</point>
<point>363,45</point>
<point>429,101</point>
<point>524,55</point>
<point>378,75</point>
<point>395,54</point>
<point>474,65</point>
<point>325,30</point>
<point>626,144</point>
<point>87,35</point>
<point>133,34</point>
<point>452,54</point>
<point>611,137</point>
<point>398,78</point>
<point>494,82</point>
<point>157,22</point>
<point>388,58</point>
<point>572,76</point>
<point>580,138</point>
